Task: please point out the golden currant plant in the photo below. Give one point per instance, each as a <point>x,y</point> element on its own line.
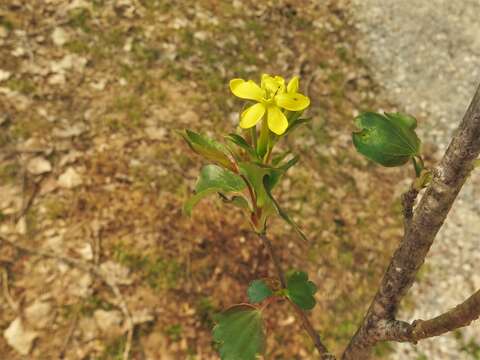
<point>246,167</point>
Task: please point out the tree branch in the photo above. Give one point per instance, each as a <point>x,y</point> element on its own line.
<point>324,353</point>
<point>460,316</point>
<point>448,179</point>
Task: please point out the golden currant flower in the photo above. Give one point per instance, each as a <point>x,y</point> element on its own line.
<point>271,97</point>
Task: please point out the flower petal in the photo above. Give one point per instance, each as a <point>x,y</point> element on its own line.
<point>292,86</point>
<point>292,101</point>
<point>246,89</point>
<point>273,85</point>
<point>277,121</point>
<point>252,115</point>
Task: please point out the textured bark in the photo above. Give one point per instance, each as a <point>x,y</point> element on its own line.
<point>460,316</point>
<point>448,179</point>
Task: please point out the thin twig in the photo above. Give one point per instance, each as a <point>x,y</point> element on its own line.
<point>460,316</point>
<point>6,291</point>
<point>324,353</point>
<point>87,267</point>
<point>69,336</point>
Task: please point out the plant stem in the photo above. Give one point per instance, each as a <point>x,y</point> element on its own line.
<point>307,325</point>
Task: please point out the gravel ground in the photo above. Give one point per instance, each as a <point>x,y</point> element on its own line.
<point>426,55</point>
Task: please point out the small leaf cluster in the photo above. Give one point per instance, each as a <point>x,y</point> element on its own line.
<point>240,332</point>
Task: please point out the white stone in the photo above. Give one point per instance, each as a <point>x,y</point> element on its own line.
<point>99,85</point>
<point>39,314</point>
<point>70,179</point>
<point>116,273</point>
<point>155,133</point>
<point>38,165</point>
<point>5,75</point>
<point>57,79</point>
<point>19,337</point>
<point>3,32</point>
<point>86,251</point>
<point>108,320</point>
<point>21,226</point>
<point>70,131</point>
<point>59,36</point>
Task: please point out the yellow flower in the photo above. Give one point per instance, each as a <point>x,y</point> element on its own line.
<point>271,97</point>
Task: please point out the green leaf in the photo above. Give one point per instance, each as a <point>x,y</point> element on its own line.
<point>277,159</point>
<point>255,174</point>
<point>285,216</point>
<point>242,143</point>
<point>239,332</point>
<point>214,179</point>
<point>389,139</point>
<point>240,202</point>
<point>262,177</point>
<point>296,123</point>
<point>300,290</point>
<point>258,291</point>
<point>210,149</point>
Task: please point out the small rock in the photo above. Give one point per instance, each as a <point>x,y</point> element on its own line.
<point>128,45</point>
<point>71,131</point>
<point>88,327</point>
<point>5,75</point>
<point>57,79</point>
<point>11,199</point>
<point>142,316</point>
<point>86,251</point>
<point>99,85</point>
<point>19,337</point>
<point>39,314</point>
<point>116,272</point>
<point>69,158</point>
<point>59,36</point>
<point>70,179</point>
<point>34,145</point>
<point>38,165</point>
<point>3,32</point>
<point>155,133</point>
<point>108,321</point>
<point>190,117</point>
<point>21,226</point>
<point>18,52</point>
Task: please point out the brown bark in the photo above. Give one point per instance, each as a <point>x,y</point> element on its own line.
<point>460,316</point>
<point>448,179</point>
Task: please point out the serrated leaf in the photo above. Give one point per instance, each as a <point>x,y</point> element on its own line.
<point>208,148</point>
<point>389,140</point>
<point>300,290</point>
<point>239,332</point>
<point>258,291</point>
<point>213,179</point>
